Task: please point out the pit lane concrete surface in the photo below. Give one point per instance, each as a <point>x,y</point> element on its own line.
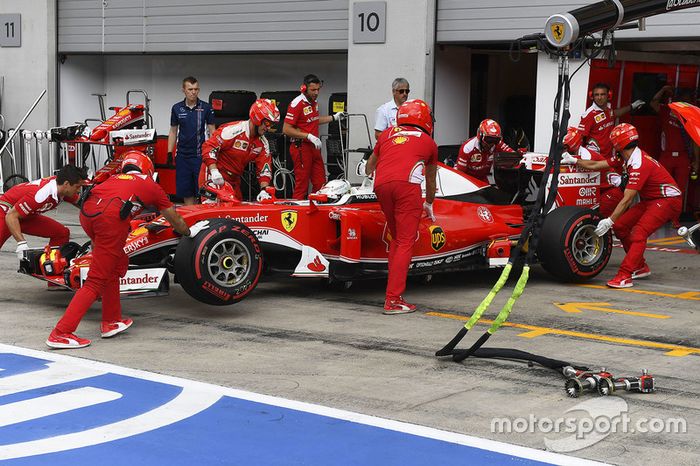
<point>299,340</point>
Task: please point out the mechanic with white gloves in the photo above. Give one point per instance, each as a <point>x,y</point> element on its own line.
<point>660,202</point>
<point>404,156</point>
<point>598,119</point>
<point>105,216</point>
<point>228,151</point>
<point>301,125</point>
<point>21,208</point>
<point>610,168</point>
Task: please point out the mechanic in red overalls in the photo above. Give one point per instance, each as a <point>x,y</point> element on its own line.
<point>21,208</point>
<point>660,202</point>
<point>105,217</point>
<point>301,125</point>
<point>476,154</point>
<point>233,145</point>
<point>674,154</point>
<point>610,169</point>
<point>598,119</point>
<point>404,156</point>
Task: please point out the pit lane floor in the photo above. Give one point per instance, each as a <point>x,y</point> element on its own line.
<point>302,341</point>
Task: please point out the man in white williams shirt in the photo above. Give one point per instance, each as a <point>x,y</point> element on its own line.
<point>386,114</point>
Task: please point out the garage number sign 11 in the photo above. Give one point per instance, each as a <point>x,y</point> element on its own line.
<point>10,30</point>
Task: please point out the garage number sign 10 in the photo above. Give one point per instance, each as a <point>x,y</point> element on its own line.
<point>369,23</point>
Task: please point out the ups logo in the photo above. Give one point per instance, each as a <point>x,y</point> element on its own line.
<point>437,237</point>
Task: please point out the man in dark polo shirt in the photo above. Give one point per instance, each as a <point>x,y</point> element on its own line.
<point>188,119</point>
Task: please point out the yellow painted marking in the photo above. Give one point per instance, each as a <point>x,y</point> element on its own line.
<point>603,307</point>
<point>535,331</point>
<point>666,241</point>
<point>689,295</point>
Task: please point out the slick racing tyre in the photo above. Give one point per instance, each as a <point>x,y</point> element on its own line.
<point>221,265</point>
<point>568,249</point>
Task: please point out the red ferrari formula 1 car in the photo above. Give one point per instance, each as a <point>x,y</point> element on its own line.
<point>340,234</point>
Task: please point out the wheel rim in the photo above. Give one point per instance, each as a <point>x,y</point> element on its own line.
<point>586,246</point>
<point>228,262</point>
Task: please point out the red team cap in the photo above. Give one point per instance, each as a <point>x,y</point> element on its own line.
<point>138,160</point>
<point>622,135</point>
<point>264,109</point>
<point>415,113</point>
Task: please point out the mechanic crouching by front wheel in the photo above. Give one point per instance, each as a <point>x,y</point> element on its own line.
<point>105,216</point>
<point>660,202</point>
<point>233,145</point>
<point>404,156</point>
<point>22,208</point>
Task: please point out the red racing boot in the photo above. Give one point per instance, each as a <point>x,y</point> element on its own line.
<point>642,272</point>
<point>65,340</point>
<point>621,280</point>
<point>109,329</point>
<point>398,306</point>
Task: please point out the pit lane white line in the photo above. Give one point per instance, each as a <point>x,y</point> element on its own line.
<point>56,403</point>
<point>197,396</point>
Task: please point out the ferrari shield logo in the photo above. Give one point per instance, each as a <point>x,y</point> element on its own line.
<point>557,31</point>
<point>289,219</point>
<point>437,237</point>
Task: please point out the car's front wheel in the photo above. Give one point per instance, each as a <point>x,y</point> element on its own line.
<point>221,265</point>
<point>569,249</point>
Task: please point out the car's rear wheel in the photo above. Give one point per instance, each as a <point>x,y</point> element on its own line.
<point>221,265</point>
<point>568,247</point>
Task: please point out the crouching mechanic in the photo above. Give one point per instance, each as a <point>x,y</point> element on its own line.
<point>404,156</point>
<point>105,216</point>
<point>610,169</point>
<point>660,202</point>
<point>476,154</point>
<point>21,208</point>
<point>233,145</point>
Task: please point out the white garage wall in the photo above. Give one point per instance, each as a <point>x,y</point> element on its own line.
<point>161,76</point>
<point>546,91</point>
<point>452,88</point>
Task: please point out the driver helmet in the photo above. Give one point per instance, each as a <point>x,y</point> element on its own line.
<point>335,189</point>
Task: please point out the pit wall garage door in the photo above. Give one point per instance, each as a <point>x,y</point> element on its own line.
<point>158,26</point>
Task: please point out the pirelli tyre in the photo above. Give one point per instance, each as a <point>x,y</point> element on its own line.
<point>568,248</point>
<point>221,265</point>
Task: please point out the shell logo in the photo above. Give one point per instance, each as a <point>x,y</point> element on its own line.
<point>400,140</point>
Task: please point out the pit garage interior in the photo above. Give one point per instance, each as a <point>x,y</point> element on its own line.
<point>311,372</point>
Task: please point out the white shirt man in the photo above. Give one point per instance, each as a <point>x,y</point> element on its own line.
<point>385,116</point>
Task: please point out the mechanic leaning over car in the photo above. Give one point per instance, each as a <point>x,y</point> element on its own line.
<point>678,155</point>
<point>233,145</point>
<point>598,119</point>
<point>21,208</point>
<point>105,216</point>
<point>610,169</point>
<point>660,202</point>
<point>301,125</point>
<point>476,154</point>
<point>404,156</point>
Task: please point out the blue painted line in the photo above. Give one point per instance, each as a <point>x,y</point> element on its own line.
<point>234,428</point>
